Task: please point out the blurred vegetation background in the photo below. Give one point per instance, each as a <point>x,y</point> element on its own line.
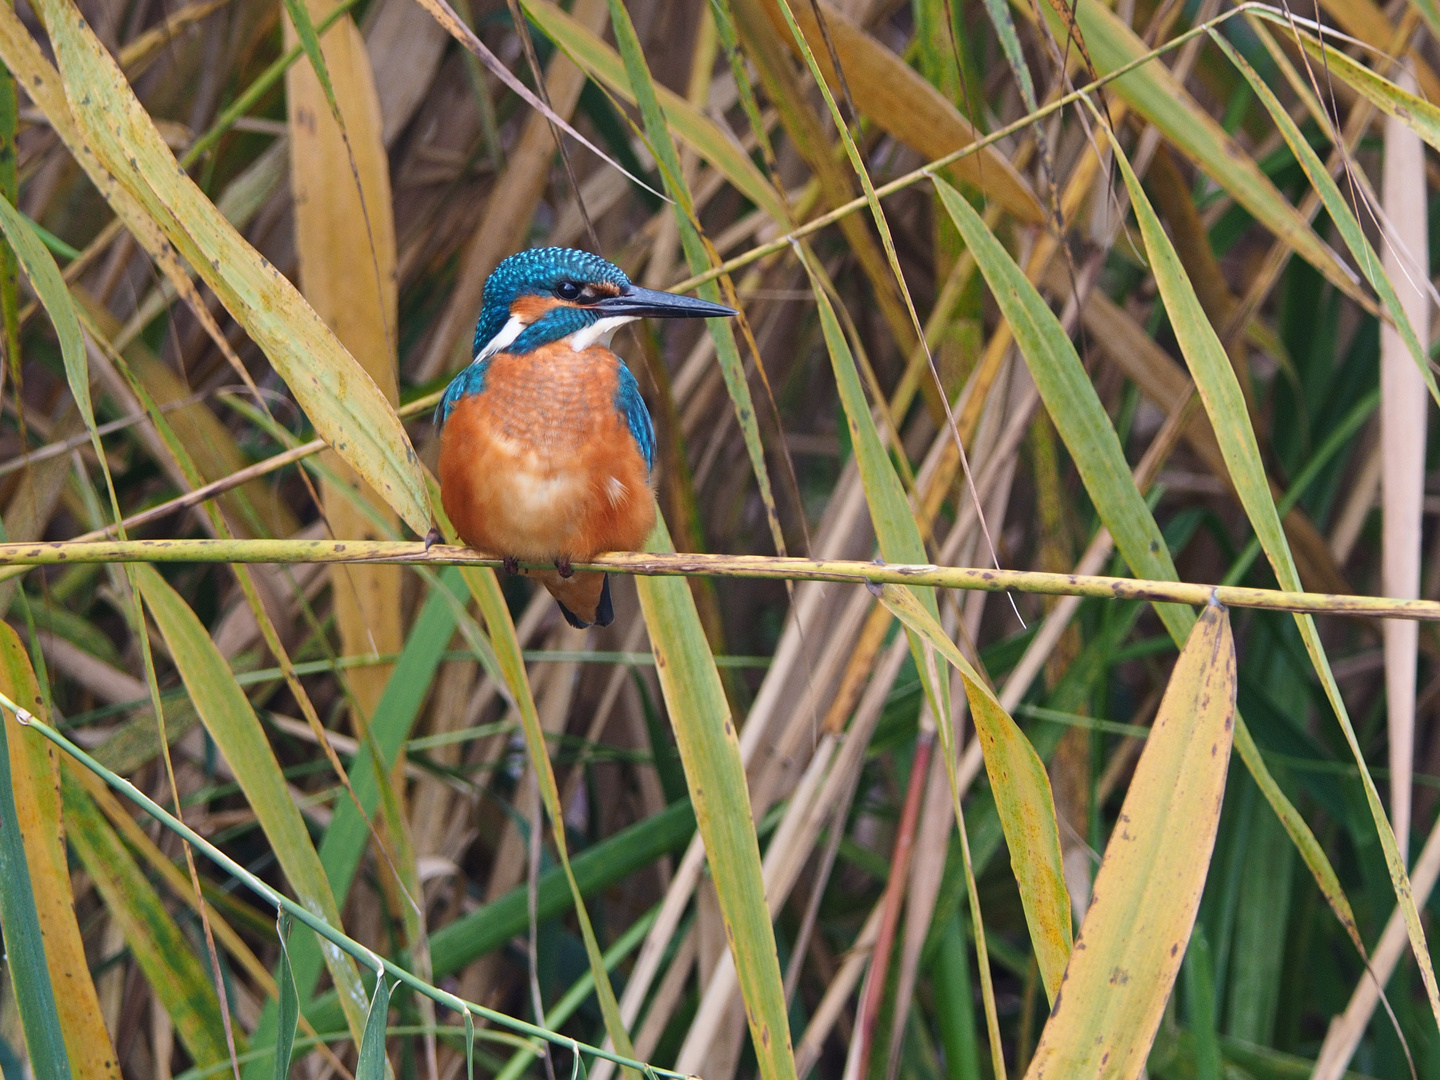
<point>387,183</point>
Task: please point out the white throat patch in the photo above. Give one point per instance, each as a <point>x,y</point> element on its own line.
<point>508,333</point>
<point>597,333</point>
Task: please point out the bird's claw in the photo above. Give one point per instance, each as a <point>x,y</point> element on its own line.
<point>511,564</point>
<point>432,537</point>
<point>563,568</point>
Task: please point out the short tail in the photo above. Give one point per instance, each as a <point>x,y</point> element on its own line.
<point>584,598</point>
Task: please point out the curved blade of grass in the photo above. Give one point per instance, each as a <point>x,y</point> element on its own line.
<point>341,400</point>
<point>1148,887</point>
<point>37,806</point>
<point>710,754</point>
<point>20,924</point>
<point>1339,210</point>
<point>1081,421</point>
<point>1159,97</point>
<point>1022,797</point>
<point>174,972</point>
<point>1073,404</point>
<point>1385,95</point>
<point>299,14</point>
<point>698,254</point>
<point>181,456</point>
<point>372,1064</point>
<point>1225,404</point>
<point>54,296</point>
<point>183,461</point>
<point>727,31</point>
<point>683,119</point>
<point>231,722</point>
<point>858,164</point>
<point>289,1007</point>
<point>1004,26</point>
<point>141,631</point>
<point>1401,513</point>
<point>896,530</point>
<point>1300,835</point>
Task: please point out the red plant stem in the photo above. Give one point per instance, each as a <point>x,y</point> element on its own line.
<point>869,1016</point>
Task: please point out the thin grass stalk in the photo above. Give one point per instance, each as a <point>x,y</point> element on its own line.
<point>658,564</point>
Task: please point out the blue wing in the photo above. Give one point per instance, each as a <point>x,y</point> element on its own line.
<point>470,380</point>
<point>637,417</point>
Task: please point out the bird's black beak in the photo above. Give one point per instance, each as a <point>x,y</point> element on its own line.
<point>637,303</point>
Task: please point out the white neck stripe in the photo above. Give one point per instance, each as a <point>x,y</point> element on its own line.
<point>507,335</point>
<point>597,333</point>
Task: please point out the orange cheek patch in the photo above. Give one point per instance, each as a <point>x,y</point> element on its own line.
<point>532,308</point>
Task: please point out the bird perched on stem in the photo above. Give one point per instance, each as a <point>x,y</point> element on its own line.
<point>545,443</point>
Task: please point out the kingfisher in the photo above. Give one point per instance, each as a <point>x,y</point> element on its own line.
<point>546,446</point>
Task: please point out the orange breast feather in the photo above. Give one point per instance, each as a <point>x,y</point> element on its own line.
<point>540,465</point>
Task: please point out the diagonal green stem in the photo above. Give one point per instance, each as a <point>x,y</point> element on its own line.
<point>281,902</point>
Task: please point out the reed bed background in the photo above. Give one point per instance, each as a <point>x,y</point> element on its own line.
<point>1160,268</point>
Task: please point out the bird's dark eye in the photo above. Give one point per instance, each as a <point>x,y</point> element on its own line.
<point>567,290</point>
